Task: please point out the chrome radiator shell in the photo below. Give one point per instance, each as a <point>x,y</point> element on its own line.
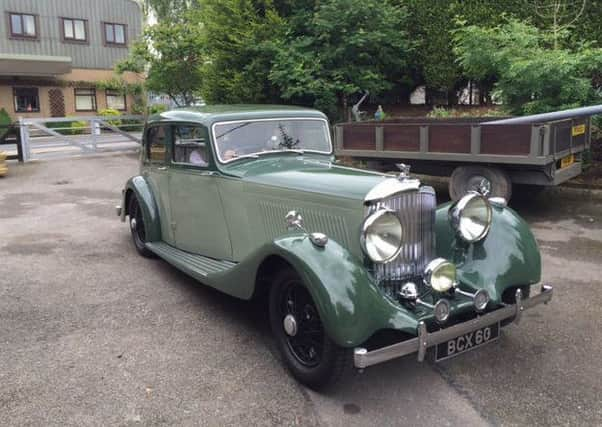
<point>416,212</point>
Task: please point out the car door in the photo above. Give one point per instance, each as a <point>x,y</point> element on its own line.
<point>198,217</point>
<point>156,160</point>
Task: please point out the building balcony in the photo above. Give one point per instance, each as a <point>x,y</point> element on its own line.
<point>34,65</point>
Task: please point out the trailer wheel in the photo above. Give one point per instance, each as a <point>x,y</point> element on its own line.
<point>489,181</point>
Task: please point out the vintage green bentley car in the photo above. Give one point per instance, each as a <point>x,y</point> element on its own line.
<point>356,267</point>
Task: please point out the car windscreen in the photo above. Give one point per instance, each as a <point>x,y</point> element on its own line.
<point>254,137</point>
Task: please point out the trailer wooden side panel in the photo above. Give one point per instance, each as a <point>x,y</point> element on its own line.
<point>449,139</point>
<point>513,140</point>
<point>401,138</point>
<point>359,137</point>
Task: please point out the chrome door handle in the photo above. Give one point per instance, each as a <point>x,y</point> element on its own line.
<point>209,173</point>
<point>162,168</point>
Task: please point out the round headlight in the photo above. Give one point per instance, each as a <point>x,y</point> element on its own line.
<point>381,236</point>
<point>440,275</point>
<point>471,217</point>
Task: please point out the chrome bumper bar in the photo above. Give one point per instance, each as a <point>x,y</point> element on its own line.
<point>363,358</point>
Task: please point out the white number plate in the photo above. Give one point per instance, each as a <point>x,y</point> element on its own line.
<point>466,342</point>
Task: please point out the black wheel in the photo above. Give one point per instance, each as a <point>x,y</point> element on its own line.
<point>509,297</point>
<point>137,227</point>
<point>308,352</point>
<point>489,181</point>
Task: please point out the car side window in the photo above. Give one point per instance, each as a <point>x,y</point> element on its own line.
<point>191,145</point>
<point>156,144</point>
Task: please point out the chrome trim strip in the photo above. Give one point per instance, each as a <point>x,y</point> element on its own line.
<point>422,341</point>
<point>363,358</point>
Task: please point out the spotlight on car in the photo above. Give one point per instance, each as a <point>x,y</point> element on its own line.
<point>440,275</point>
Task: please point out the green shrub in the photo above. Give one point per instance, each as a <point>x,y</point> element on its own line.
<point>445,113</point>
<point>80,127</point>
<point>4,122</point>
<point>157,109</point>
<point>439,113</point>
<point>533,72</point>
<point>64,128</point>
<point>109,112</point>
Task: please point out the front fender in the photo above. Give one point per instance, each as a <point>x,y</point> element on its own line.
<point>508,256</point>
<point>150,212</point>
<point>350,305</point>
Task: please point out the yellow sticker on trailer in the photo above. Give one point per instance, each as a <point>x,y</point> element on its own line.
<point>578,130</point>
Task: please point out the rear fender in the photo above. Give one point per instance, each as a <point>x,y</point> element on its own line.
<point>138,186</point>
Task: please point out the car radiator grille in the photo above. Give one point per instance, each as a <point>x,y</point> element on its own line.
<point>416,212</point>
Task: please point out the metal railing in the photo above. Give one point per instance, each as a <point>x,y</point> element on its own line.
<point>69,136</point>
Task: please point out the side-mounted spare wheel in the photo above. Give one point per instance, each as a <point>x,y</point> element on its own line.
<point>487,180</point>
<point>137,227</point>
<point>311,356</point>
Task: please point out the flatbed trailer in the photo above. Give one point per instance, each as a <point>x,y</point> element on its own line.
<point>483,154</point>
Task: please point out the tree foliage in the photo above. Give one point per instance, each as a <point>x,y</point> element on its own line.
<point>173,55</point>
<point>340,48</point>
<point>240,37</point>
<point>325,53</point>
<point>531,74</point>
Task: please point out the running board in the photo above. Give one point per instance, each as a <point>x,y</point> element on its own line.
<point>193,264</point>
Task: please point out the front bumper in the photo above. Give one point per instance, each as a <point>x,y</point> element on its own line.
<point>363,358</point>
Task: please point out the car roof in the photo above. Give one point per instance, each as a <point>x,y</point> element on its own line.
<point>209,114</point>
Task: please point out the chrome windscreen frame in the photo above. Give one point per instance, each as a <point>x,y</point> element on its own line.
<point>223,161</point>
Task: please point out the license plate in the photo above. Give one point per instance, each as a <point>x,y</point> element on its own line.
<point>567,161</point>
<point>466,342</point>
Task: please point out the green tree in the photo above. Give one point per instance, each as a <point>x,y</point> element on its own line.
<point>531,75</point>
<point>173,55</point>
<point>240,38</point>
<point>169,9</point>
<point>340,48</point>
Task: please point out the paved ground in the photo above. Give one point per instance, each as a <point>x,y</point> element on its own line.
<point>91,333</point>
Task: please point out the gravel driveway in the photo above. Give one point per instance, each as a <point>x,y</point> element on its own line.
<point>92,334</point>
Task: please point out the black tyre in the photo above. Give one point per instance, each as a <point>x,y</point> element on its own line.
<point>490,181</point>
<point>137,227</point>
<point>306,349</point>
<point>509,297</point>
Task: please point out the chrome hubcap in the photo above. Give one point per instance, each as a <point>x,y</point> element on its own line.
<point>290,325</point>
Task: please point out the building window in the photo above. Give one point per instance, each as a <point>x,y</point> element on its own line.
<point>114,34</point>
<point>75,30</point>
<point>27,99</point>
<point>116,100</point>
<point>23,25</point>
<point>85,99</point>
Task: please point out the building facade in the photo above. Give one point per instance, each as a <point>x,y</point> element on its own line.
<point>57,56</point>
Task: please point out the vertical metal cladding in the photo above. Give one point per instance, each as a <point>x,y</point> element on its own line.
<point>416,212</point>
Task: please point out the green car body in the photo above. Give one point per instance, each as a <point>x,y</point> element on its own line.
<point>224,224</point>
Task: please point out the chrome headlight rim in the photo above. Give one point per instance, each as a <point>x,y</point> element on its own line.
<point>435,266</point>
<point>370,222</point>
<point>458,209</point>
